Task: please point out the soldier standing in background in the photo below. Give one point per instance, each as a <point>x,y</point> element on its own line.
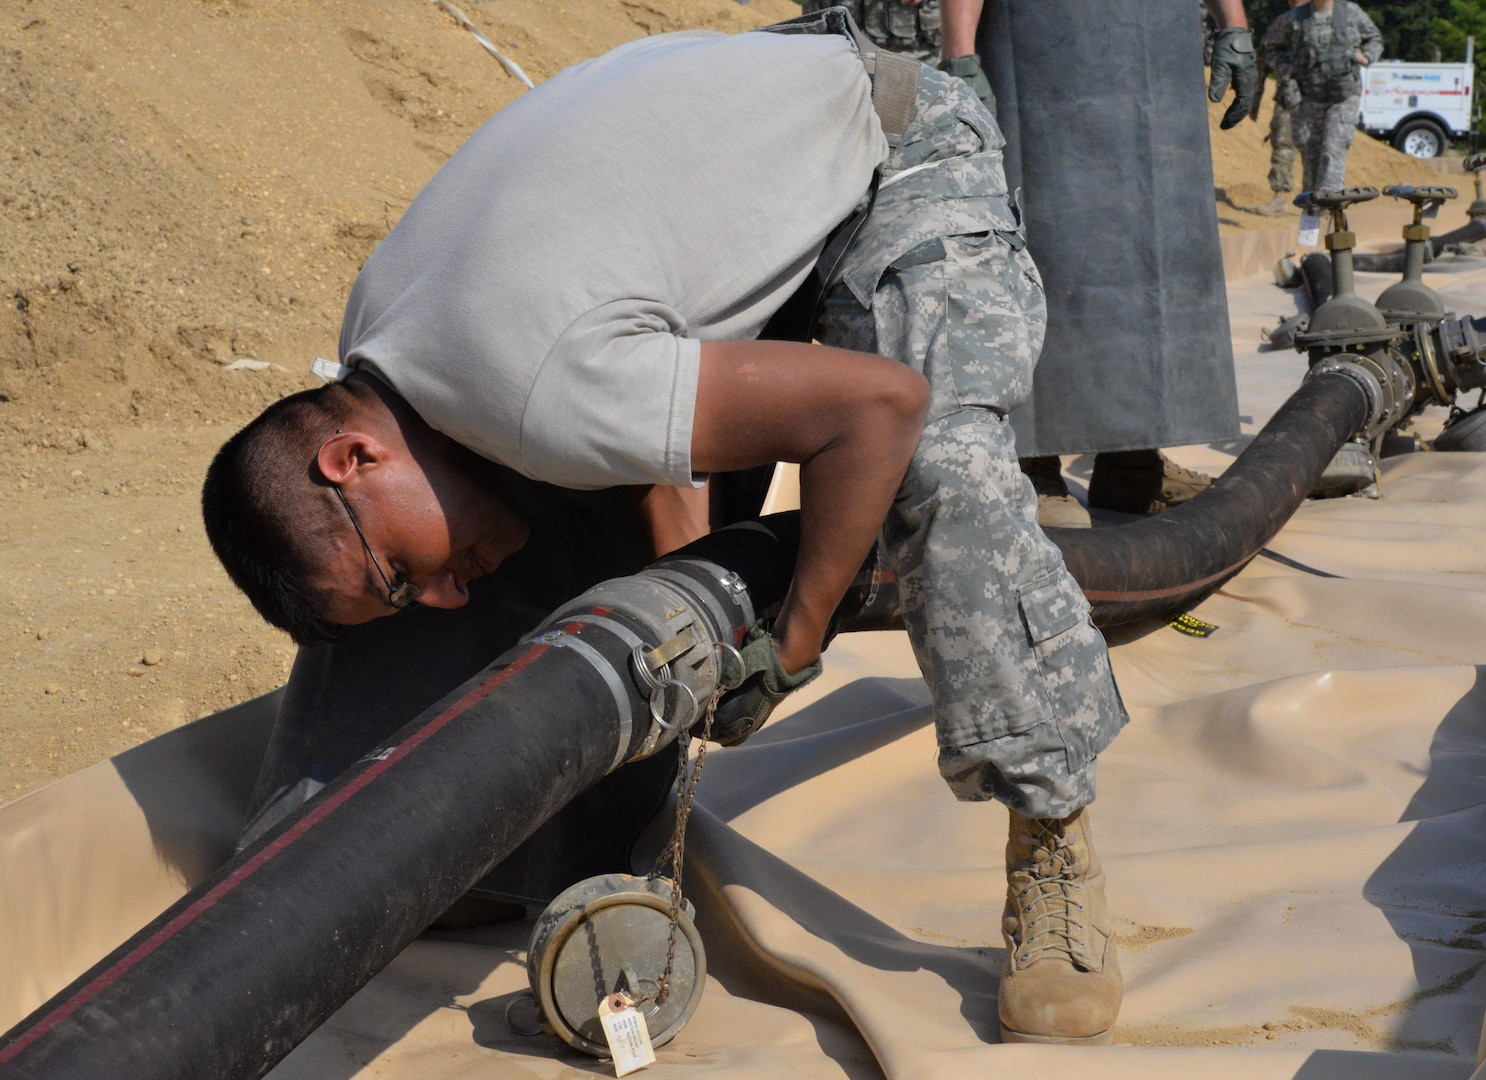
<point>1281,135</point>
<point>1116,394</point>
<point>1323,46</point>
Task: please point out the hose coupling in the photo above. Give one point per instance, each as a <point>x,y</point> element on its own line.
<point>1380,405</point>
<point>665,638</point>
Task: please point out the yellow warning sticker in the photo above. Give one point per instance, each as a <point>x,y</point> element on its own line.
<point>1190,625</point>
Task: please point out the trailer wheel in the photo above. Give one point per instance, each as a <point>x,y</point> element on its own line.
<point>1421,139</point>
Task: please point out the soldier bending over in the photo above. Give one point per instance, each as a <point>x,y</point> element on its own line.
<point>578,297</point>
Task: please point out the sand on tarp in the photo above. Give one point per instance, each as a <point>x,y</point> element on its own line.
<point>1291,827</point>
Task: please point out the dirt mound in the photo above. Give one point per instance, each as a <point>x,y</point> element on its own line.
<point>1241,166</point>
<point>195,183</point>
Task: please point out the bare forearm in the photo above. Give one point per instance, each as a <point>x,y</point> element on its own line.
<point>959,20</point>
<point>846,491</point>
<point>851,420</point>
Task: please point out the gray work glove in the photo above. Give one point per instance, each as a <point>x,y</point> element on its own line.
<point>969,69</point>
<point>765,684</point>
<point>1234,62</point>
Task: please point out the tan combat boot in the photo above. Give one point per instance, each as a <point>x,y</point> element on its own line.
<point>1056,506</point>
<point>1061,982</point>
<point>1142,482</point>
<point>1276,206</point>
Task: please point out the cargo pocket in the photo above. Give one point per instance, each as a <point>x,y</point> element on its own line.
<point>1052,609</point>
<point>997,315</point>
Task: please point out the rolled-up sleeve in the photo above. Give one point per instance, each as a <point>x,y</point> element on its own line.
<point>614,400</point>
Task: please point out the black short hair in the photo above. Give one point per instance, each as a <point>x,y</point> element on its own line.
<point>269,513</point>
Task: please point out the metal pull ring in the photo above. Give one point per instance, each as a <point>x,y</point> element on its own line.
<point>659,682</point>
<point>725,652</point>
<point>658,702</point>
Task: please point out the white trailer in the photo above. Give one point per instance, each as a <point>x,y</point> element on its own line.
<point>1418,108</point>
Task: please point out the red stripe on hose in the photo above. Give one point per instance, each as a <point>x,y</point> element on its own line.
<point>270,852</point>
<point>1111,595</point>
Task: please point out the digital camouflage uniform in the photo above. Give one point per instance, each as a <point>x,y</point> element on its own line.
<point>1318,55</point>
<point>904,28</point>
<point>1282,138</point>
<point>1281,123</point>
<point>1023,693</point>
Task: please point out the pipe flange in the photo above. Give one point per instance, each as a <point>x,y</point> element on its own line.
<point>1372,389</point>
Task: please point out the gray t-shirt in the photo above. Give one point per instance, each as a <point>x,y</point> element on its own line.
<point>543,299</point>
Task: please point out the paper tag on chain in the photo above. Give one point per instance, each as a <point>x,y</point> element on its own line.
<point>1310,231</point>
<point>626,1033</point>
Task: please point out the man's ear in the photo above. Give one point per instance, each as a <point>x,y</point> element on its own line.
<point>345,455</point>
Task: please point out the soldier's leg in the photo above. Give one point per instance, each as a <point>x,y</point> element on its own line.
<point>1023,694</point>
<point>1281,161</point>
<point>1337,131</point>
<point>1024,698</point>
<point>1282,151</point>
<point>1309,124</point>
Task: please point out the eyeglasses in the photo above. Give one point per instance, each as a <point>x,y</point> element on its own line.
<point>402,595</point>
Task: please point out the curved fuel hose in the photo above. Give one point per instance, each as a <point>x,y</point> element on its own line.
<point>1164,561</point>
<point>238,972</point>
<point>1392,262</point>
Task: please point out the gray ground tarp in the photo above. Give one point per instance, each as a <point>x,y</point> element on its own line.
<point>1105,115</point>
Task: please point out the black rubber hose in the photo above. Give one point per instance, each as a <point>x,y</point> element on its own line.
<point>1162,562</point>
<point>1391,262</point>
<point>238,972</point>
<point>1472,232</point>
<point>1386,262</point>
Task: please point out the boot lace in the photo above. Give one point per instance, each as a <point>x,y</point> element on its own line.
<point>1051,900</point>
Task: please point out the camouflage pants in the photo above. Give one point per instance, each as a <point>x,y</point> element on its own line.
<point>1282,150</point>
<point>1023,694</point>
<point>1323,132</point>
<point>905,28</point>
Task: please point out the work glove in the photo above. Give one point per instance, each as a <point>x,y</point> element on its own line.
<point>765,684</point>
<point>1234,62</point>
<point>969,69</point>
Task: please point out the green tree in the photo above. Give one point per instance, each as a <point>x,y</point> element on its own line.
<point>1409,28</point>
<point>1464,19</point>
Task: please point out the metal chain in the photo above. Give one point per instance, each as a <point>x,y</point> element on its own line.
<point>675,849</point>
